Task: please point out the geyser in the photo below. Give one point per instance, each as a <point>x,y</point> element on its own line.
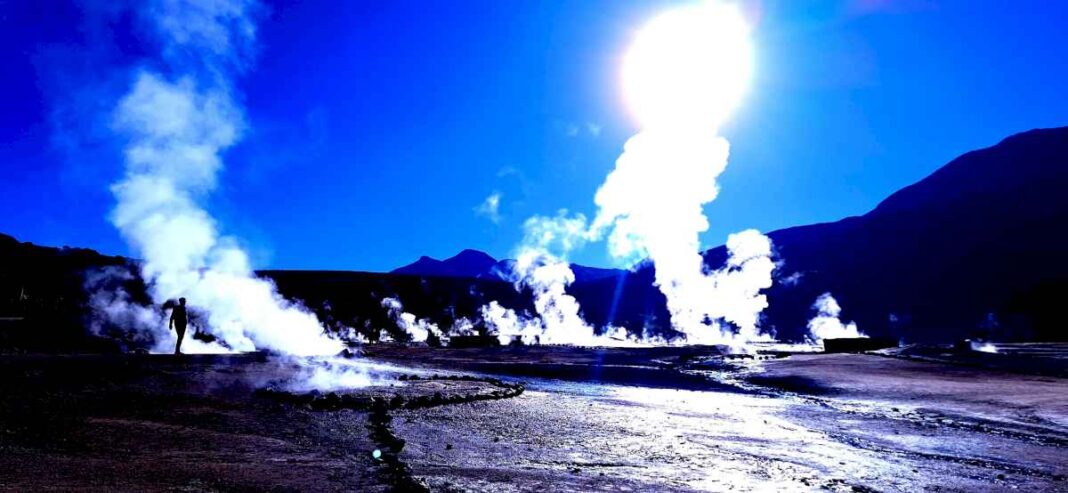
<point>827,324</point>
<point>177,119</point>
<point>685,72</point>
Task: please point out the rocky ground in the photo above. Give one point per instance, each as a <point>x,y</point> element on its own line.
<point>528,419</point>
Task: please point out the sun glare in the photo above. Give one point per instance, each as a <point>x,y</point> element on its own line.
<point>689,66</point>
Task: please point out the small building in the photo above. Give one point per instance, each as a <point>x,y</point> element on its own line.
<point>857,344</point>
<point>473,341</point>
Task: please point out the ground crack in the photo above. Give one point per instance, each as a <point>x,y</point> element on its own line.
<point>398,474</point>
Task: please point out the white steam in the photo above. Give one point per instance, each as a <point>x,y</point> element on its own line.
<point>178,122</point>
<point>507,325</point>
<point>463,327</point>
<point>331,374</point>
<point>541,266</point>
<point>418,329</point>
<point>683,75</point>
<point>826,324</point>
<point>652,203</point>
<point>119,316</point>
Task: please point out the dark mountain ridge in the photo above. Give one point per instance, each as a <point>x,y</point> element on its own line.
<point>468,263</point>
<point>43,301</point>
<point>976,248</point>
<point>474,264</point>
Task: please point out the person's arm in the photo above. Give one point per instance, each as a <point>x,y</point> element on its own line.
<point>170,325</point>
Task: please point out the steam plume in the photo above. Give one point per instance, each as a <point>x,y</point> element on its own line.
<point>826,324</point>
<point>684,73</point>
<point>177,123</point>
<point>652,204</point>
<point>506,324</point>
<point>418,329</point>
<point>542,267</point>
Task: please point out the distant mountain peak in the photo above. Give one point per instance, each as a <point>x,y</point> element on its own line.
<point>467,263</point>
<point>470,254</point>
<point>476,264</point>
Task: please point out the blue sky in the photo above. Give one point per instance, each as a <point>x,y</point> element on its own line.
<point>375,129</point>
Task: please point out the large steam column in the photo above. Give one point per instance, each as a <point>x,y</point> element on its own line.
<point>684,74</point>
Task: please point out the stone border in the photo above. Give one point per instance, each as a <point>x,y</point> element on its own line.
<point>399,474</point>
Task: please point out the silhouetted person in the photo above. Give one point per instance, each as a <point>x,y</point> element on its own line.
<point>179,320</point>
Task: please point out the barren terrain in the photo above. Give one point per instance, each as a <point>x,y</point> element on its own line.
<point>527,419</point>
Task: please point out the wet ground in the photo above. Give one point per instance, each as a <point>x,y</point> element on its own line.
<point>583,420</point>
<point>804,422</point>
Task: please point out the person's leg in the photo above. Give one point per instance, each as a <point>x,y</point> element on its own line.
<point>181,335</point>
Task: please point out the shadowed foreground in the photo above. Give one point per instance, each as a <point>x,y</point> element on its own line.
<point>587,423</point>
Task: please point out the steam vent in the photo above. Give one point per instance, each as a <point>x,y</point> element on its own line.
<point>529,246</point>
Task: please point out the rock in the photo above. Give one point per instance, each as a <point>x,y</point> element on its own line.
<point>396,444</point>
<point>329,402</point>
<point>356,401</point>
<point>348,353</point>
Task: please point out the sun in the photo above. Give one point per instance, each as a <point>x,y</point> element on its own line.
<point>689,66</point>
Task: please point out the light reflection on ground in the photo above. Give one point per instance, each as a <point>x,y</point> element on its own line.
<point>569,436</point>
